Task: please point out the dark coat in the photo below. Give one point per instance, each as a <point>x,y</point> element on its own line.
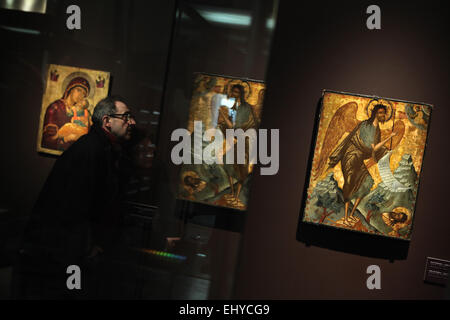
<point>78,206</point>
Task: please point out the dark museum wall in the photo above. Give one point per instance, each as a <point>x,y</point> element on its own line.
<point>327,46</point>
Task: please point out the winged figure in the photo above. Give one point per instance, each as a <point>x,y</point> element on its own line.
<point>365,141</point>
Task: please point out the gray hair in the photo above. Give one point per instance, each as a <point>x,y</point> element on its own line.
<point>105,107</point>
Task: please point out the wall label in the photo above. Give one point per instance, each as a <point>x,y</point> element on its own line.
<point>436,271</point>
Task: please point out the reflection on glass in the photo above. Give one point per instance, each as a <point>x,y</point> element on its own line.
<point>226,39</point>
<point>38,6</point>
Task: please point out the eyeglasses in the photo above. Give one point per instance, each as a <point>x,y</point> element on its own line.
<point>124,116</point>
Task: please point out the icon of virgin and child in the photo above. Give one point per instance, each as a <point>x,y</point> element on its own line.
<point>67,118</point>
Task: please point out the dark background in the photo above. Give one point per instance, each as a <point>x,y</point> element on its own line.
<point>115,36</point>
<point>323,45</point>
<point>316,46</point>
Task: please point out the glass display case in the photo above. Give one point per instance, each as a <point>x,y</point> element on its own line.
<point>220,40</point>
<point>171,247</point>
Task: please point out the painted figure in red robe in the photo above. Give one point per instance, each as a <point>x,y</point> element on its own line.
<point>60,112</point>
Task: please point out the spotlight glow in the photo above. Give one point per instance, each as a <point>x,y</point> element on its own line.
<point>226,18</point>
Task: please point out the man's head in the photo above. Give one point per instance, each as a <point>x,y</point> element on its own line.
<point>397,217</point>
<point>113,115</point>
<point>237,92</point>
<point>192,182</point>
<point>379,112</point>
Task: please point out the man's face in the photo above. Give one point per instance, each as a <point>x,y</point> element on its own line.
<point>193,182</point>
<point>396,216</point>
<point>235,93</point>
<point>381,115</point>
<point>121,128</point>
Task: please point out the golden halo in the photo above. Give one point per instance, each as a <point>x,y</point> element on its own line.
<point>81,74</point>
<point>386,103</point>
<point>244,84</point>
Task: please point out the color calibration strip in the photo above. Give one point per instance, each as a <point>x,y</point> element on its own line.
<point>164,254</point>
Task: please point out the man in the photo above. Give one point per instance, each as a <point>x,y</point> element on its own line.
<point>241,116</point>
<point>361,144</point>
<point>77,214</point>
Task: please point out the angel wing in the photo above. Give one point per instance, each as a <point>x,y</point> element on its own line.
<point>344,120</point>
<point>399,129</point>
